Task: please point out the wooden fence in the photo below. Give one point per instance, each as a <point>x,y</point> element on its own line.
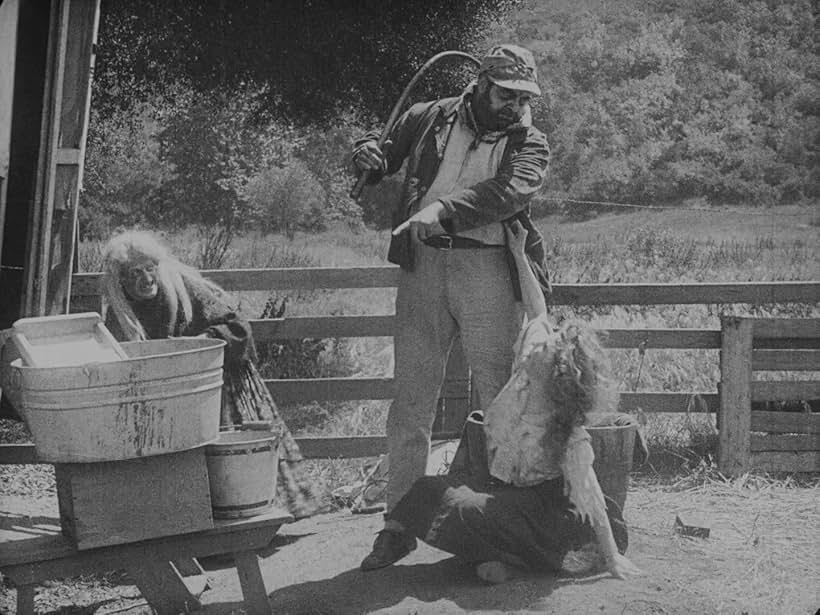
<point>456,394</point>
<point>752,439</point>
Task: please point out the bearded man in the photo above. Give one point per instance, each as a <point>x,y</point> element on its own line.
<point>473,163</point>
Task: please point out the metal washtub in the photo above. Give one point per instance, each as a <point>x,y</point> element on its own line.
<point>166,397</point>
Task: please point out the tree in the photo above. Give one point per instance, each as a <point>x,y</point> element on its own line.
<point>215,145</point>
<point>285,198</point>
<point>316,56</point>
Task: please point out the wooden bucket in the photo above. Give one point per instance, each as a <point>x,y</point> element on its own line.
<point>614,446</point>
<point>242,471</point>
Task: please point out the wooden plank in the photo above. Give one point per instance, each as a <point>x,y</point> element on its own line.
<point>660,338</point>
<point>764,390</point>
<point>666,294</point>
<point>308,278</point>
<point>25,600</point>
<point>297,278</point>
<point>383,326</point>
<point>785,422</point>
<point>346,389</point>
<point>188,567</point>
<point>9,16</point>
<point>163,588</point>
<point>18,454</point>
<point>783,461</point>
<point>252,583</point>
<point>781,442</point>
<point>329,389</point>
<point>42,207</point>
<point>352,447</point>
<point>786,327</point>
<point>68,156</point>
<point>786,343</point>
<point>52,556</point>
<point>735,395</point>
<point>348,447</point>
<point>82,21</point>
<point>663,401</point>
<point>786,360</point>
<point>9,12</point>
<point>322,326</point>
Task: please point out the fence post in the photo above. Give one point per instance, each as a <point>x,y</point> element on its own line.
<point>734,449</point>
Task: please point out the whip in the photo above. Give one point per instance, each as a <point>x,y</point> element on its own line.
<point>356,192</point>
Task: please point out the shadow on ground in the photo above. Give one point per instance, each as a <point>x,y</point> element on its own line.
<point>355,592</point>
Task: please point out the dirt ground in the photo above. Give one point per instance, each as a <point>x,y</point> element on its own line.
<point>761,558</point>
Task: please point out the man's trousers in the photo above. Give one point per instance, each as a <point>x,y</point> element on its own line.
<point>449,292</point>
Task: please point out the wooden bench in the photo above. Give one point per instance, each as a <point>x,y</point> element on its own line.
<point>33,550</point>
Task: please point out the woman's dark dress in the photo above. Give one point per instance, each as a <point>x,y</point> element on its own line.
<point>245,397</point>
<point>477,517</point>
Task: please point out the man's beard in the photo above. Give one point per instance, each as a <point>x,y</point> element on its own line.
<point>485,117</point>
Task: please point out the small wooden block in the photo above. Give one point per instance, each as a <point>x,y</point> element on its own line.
<point>693,531</point>
<point>116,502</point>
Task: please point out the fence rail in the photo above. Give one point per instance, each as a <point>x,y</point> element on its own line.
<point>778,345</point>
<point>309,278</point>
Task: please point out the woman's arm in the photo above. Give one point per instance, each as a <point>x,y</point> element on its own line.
<point>586,495</point>
<point>212,317</point>
<point>531,293</point>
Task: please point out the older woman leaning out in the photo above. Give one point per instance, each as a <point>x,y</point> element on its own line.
<point>152,295</point>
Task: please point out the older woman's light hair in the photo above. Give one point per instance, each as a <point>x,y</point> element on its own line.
<point>125,250</point>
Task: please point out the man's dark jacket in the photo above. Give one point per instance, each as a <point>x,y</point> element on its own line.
<point>420,136</point>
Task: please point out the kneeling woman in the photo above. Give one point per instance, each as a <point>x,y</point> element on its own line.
<point>521,492</point>
<point>152,295</point>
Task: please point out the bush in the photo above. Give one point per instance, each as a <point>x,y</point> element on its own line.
<point>123,170</point>
<point>285,199</point>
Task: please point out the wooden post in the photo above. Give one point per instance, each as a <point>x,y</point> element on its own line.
<point>734,449</point>
<point>162,587</point>
<point>252,583</point>
<point>25,600</point>
<point>8,54</point>
<point>66,101</point>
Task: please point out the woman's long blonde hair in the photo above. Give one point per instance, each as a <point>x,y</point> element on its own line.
<point>130,247</point>
<point>580,379</point>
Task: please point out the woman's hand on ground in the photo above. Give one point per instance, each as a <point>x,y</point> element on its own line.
<point>516,236</point>
<point>621,567</point>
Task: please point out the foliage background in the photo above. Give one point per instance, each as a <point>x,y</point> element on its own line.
<point>233,115</point>
<point>227,126</point>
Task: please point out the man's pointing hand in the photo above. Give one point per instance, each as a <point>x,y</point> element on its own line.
<point>424,224</point>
